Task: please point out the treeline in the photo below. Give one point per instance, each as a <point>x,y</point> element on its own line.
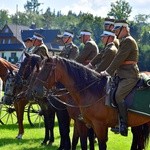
<point>140,30</point>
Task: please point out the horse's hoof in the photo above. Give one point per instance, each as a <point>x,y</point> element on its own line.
<point>43,143</point>
<point>19,137</point>
<point>50,143</point>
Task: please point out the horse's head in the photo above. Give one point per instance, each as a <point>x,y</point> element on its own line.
<point>26,69</point>
<point>45,78</point>
<point>9,88</point>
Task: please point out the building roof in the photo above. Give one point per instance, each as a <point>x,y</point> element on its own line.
<point>48,34</point>
<point>16,30</point>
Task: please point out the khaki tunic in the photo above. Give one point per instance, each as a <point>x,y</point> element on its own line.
<point>41,50</point>
<point>104,59</point>
<point>129,74</point>
<point>70,51</point>
<point>89,51</point>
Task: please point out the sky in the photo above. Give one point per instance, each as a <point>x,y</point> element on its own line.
<point>95,7</point>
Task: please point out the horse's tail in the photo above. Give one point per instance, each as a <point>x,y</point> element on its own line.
<point>145,129</point>
<point>141,135</point>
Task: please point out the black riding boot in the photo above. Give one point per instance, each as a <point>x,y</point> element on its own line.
<point>123,115</point>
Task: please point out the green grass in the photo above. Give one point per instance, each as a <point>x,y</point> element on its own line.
<point>34,135</point>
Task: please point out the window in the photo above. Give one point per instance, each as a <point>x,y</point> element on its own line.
<point>3,41</point>
<point>6,30</point>
<point>9,41</point>
<point>13,55</point>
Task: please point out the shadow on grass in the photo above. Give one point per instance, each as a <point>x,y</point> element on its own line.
<point>9,141</point>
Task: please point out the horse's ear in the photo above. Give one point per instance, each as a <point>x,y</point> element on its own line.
<point>26,54</point>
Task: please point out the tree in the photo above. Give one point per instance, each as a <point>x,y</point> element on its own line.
<point>32,6</point>
<point>4,18</point>
<point>120,10</point>
<point>141,18</point>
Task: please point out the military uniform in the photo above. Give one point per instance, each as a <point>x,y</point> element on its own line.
<point>89,51</point>
<point>125,63</point>
<point>41,50</point>
<point>70,51</point>
<point>104,59</point>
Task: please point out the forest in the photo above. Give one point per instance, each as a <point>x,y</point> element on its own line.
<point>50,19</point>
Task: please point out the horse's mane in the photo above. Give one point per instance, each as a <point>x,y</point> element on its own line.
<point>83,76</point>
<point>8,65</point>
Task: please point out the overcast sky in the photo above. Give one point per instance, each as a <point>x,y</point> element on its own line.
<point>95,7</point>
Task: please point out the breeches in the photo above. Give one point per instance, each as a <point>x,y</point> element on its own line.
<point>124,88</point>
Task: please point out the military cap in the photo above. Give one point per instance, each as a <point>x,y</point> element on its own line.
<point>109,21</point>
<point>37,36</point>
<point>66,33</point>
<point>108,33</point>
<point>27,39</point>
<point>85,32</point>
<point>120,23</point>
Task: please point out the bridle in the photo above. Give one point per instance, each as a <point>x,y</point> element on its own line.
<point>45,83</point>
<point>50,70</point>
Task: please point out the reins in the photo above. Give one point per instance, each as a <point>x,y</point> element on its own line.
<point>75,106</point>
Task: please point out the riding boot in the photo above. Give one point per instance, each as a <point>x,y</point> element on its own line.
<point>123,115</point>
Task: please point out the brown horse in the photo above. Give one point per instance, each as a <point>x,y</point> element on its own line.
<point>80,129</point>
<point>6,66</point>
<point>87,88</point>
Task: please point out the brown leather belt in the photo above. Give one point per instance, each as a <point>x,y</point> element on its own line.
<point>129,62</point>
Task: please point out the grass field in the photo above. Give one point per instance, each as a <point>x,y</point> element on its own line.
<point>34,135</point>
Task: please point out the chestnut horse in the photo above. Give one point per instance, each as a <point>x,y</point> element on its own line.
<point>88,89</point>
<point>6,66</point>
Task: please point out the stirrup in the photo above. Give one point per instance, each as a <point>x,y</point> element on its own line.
<point>115,130</point>
<point>123,130</point>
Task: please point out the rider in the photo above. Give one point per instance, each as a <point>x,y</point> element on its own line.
<point>70,50</point>
<point>29,47</point>
<point>125,64</point>
<point>96,61</point>
<point>40,48</point>
<point>105,57</point>
<point>90,49</point>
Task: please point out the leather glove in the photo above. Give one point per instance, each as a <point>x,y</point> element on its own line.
<point>104,73</point>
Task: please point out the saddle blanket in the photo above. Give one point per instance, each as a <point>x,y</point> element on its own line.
<point>140,101</point>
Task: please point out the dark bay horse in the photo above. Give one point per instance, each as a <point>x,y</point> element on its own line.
<point>80,129</point>
<point>87,88</point>
<point>22,85</point>
<point>16,94</point>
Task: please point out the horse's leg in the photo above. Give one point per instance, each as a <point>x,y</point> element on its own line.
<point>75,137</point>
<point>64,129</point>
<point>91,136</point>
<point>83,133</point>
<point>51,123</point>
<point>49,115</point>
<point>20,107</point>
<point>101,131</point>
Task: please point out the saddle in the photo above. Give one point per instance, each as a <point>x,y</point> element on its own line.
<point>138,99</point>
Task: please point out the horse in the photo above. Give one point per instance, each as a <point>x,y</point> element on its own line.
<point>6,66</point>
<point>80,129</point>
<point>16,95</point>
<point>88,89</point>
<point>23,78</point>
